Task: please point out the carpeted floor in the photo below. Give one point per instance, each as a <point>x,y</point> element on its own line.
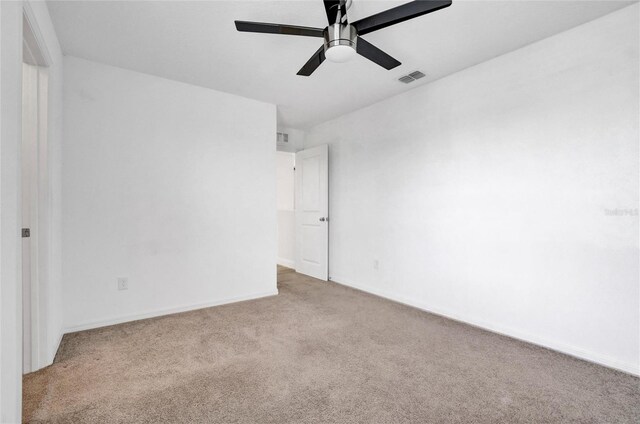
<point>318,353</point>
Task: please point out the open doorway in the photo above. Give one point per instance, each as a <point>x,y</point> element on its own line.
<point>34,192</point>
<point>303,208</point>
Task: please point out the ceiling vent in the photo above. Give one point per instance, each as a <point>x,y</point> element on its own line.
<point>283,137</point>
<point>411,77</point>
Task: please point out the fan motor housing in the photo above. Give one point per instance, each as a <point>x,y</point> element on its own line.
<point>340,35</point>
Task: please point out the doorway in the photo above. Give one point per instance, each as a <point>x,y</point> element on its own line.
<point>34,193</point>
<point>302,208</point>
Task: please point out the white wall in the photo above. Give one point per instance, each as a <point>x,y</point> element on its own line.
<point>10,263</point>
<point>286,213</point>
<point>484,195</point>
<point>169,185</point>
<point>11,16</point>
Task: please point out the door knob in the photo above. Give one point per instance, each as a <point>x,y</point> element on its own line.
<point>323,219</point>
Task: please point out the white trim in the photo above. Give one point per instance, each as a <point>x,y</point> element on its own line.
<point>289,263</point>
<point>575,351</point>
<point>30,16</point>
<point>38,55</point>
<point>160,312</point>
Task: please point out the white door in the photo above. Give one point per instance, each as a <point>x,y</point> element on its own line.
<point>312,212</point>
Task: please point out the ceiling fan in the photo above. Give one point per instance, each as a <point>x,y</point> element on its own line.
<point>342,40</point>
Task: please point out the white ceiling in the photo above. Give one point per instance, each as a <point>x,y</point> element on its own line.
<point>196,42</point>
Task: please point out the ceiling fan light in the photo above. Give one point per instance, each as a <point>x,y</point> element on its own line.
<point>340,53</point>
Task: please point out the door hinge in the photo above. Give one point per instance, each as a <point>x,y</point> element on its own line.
<point>26,232</point>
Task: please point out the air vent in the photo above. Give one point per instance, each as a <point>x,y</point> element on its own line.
<point>283,137</point>
<point>411,77</point>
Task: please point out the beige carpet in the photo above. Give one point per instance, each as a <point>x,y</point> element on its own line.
<point>318,353</point>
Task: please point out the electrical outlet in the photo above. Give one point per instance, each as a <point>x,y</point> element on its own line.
<point>375,264</point>
<point>123,283</point>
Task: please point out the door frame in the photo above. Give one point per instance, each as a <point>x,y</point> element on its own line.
<point>36,54</point>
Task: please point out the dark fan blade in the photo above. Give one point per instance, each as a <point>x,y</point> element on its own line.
<point>313,63</point>
<point>374,54</point>
<point>399,14</point>
<point>332,7</point>
<point>266,28</point>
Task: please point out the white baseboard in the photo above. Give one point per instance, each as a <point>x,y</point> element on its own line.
<point>167,311</point>
<point>567,349</point>
<point>289,263</point>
